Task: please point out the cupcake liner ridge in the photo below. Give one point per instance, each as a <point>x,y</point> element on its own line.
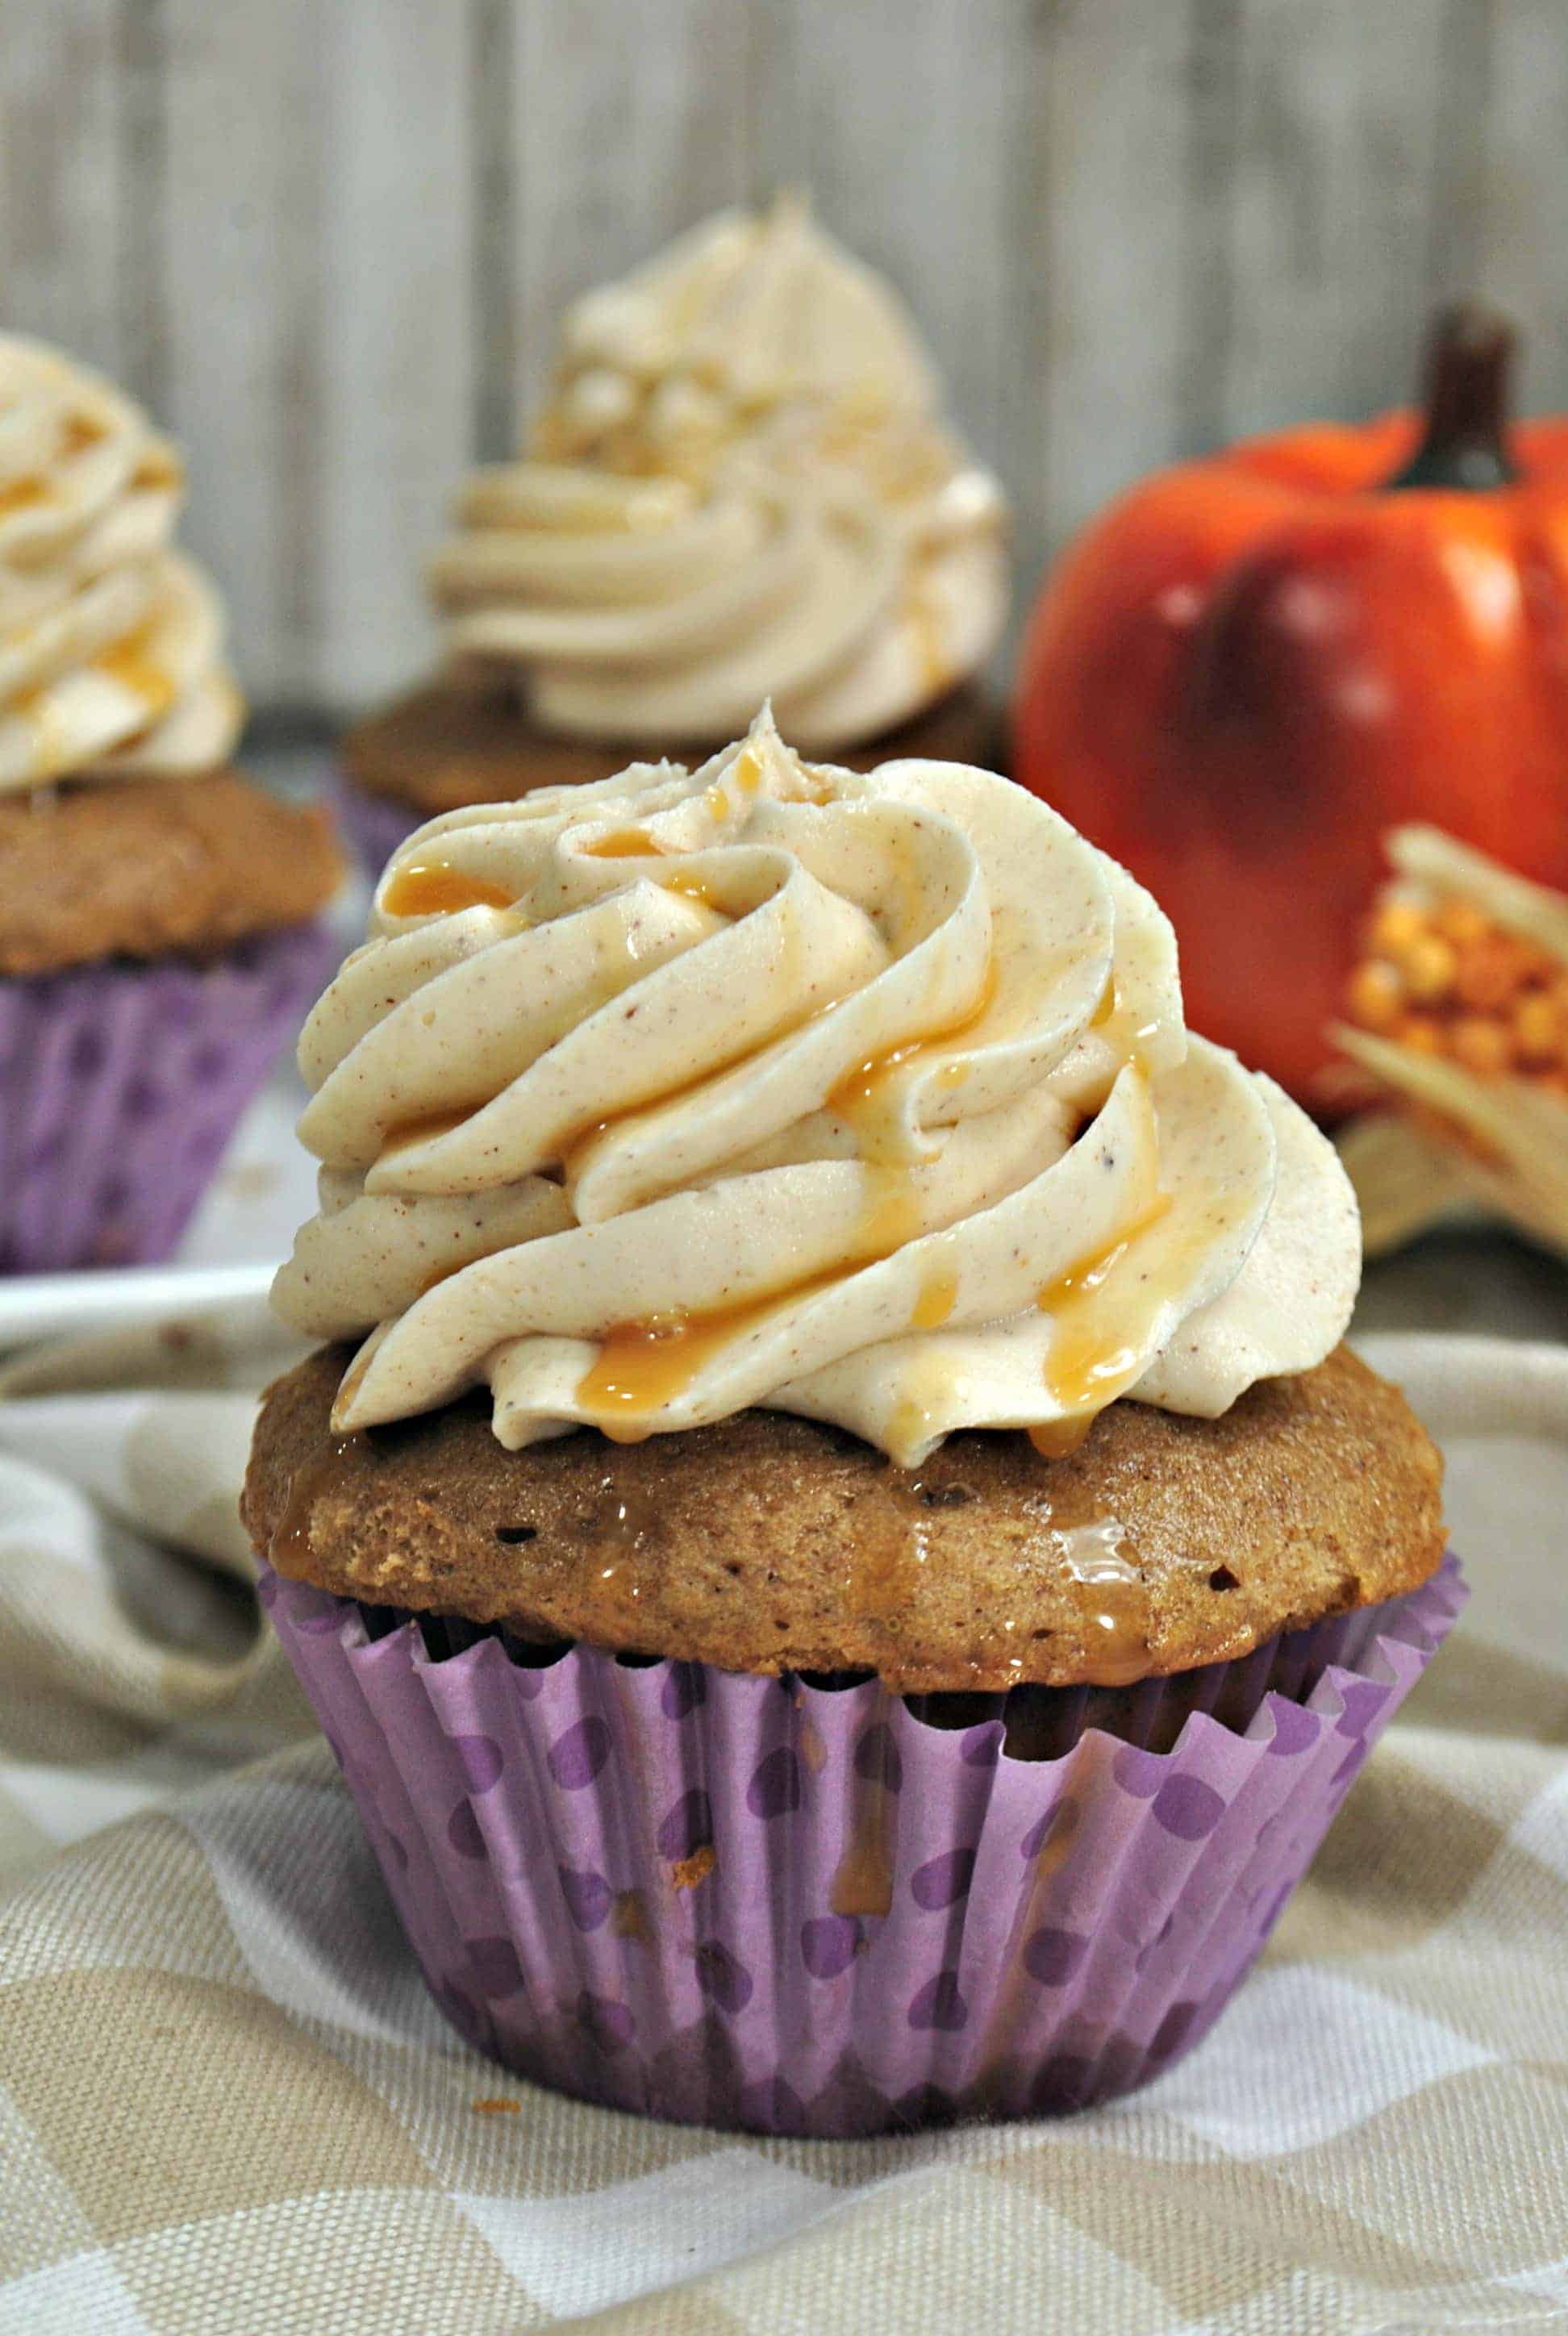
<point>786,1908</point>
<point>120,1084</point>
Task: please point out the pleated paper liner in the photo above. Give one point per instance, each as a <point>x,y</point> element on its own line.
<point>798,1908</point>
<point>120,1084</point>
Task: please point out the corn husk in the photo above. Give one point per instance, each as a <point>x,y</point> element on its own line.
<point>1450,1141</point>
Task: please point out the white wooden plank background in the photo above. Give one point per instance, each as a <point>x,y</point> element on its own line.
<point>327,240</point>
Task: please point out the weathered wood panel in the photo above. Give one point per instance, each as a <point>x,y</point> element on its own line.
<point>1103,258</point>
<point>69,86</point>
<point>330,244</point>
<point>897,116</point>
<point>245,199</point>
<point>1520,242</point>
<point>628,124</point>
<point>396,337</point>
<point>1331,202</point>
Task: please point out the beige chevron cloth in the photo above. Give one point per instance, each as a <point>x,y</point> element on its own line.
<point>227,2108</point>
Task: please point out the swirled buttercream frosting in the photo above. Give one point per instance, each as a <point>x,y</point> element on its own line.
<point>740,485</point>
<point>111,641</point>
<point>865,1098</point>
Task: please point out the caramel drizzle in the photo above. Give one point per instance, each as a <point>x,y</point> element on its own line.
<point>623,844</point>
<point>938,1295</point>
<point>434,887</point>
<point>1101,1557</point>
<point>862,1882</point>
<point>629,1916</point>
<point>348,1386</point>
<point>867,1097</point>
<point>288,1546</point>
<point>130,663</point>
<point>22,494</point>
<point>640,1366</point>
<point>1059,1439</point>
<point>885,1560</point>
<point>1115,1021</point>
<point>1098,1313</point>
<point>745,772</point>
<point>691,886</point>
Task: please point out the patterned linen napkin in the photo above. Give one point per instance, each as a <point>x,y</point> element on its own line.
<point>225,2102</point>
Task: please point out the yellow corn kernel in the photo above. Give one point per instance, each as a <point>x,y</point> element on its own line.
<point>1395,925</point>
<point>1483,1047</point>
<point>1428,964</point>
<point>1376,996</point>
<point>1419,1033</point>
<point>1538,1030</point>
<point>1461,922</point>
<point>1490,974</point>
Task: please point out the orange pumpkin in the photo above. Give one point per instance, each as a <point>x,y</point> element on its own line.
<point>1251,666</point>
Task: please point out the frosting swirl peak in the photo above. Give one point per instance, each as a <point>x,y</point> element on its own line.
<point>111,642</point>
<point>863,1098</point>
<point>738,486</point>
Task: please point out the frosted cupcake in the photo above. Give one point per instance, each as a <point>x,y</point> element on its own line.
<point>851,1569</point>
<point>740,485</point>
<point>157,933</point>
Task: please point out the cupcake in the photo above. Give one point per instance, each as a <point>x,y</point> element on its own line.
<point>156,938</point>
<point>739,484</point>
<point>851,1569</point>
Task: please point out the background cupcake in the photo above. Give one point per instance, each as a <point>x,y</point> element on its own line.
<point>156,941</point>
<point>717,1767</point>
<point>739,487</point>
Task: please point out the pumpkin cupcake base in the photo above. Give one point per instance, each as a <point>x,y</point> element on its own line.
<point>766,1542</point>
<point>450,743</point>
<point>787,1908</point>
<point>140,870</point>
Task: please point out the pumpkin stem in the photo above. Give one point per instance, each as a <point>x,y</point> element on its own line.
<point>1469,361</point>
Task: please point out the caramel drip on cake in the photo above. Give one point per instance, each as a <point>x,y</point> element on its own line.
<point>617,1535</point>
<point>1101,1557</point>
<point>885,1562</point>
<point>862,1882</point>
<point>1059,1439</point>
<point>289,1550</point>
<point>629,1916</point>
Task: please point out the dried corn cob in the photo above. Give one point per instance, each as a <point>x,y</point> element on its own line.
<point>1458,1009</point>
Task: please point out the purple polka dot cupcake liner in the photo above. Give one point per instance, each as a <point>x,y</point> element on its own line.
<point>121,1083</point>
<point>374,824</point>
<point>789,1907</point>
